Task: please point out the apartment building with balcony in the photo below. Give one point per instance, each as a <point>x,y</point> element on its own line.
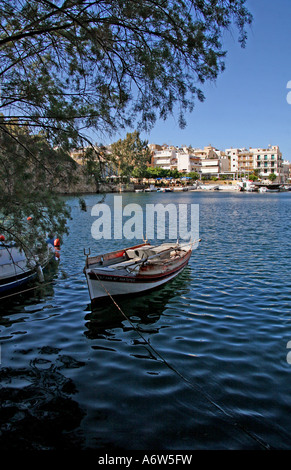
<point>209,161</point>
<point>164,157</point>
<point>264,160</point>
<point>187,162</point>
<point>245,161</point>
<point>206,161</point>
<point>241,160</point>
<point>286,171</point>
<point>267,161</point>
<point>212,162</point>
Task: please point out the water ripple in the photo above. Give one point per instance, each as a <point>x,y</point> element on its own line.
<point>198,364</point>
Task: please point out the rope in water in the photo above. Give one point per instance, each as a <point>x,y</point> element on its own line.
<point>187,381</point>
<point>26,290</point>
<point>37,286</point>
<point>179,374</point>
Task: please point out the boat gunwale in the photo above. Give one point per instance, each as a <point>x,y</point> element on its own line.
<point>90,260</point>
<point>114,277</point>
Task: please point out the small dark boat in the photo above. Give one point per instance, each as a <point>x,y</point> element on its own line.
<point>16,270</point>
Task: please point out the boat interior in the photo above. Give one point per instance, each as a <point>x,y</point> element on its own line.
<point>134,255</point>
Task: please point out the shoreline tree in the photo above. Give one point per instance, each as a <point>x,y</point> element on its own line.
<point>272,177</point>
<point>130,155</point>
<point>69,66</point>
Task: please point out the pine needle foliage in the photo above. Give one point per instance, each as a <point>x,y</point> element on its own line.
<point>67,66</point>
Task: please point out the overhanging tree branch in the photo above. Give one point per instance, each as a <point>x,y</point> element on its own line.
<point>72,65</point>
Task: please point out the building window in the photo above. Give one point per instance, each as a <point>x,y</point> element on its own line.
<point>265,157</point>
<point>273,156</point>
<point>258,157</point>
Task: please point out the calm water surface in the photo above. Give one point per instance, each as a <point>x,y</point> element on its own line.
<point>202,363</point>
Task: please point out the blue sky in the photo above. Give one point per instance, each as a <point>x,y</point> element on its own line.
<point>247,105</point>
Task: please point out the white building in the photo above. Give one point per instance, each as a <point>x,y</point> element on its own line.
<point>207,161</point>
<point>165,158</point>
<point>241,160</point>
<point>209,166</point>
<point>267,161</point>
<point>286,171</point>
<point>212,162</point>
<point>188,162</point>
<point>183,162</point>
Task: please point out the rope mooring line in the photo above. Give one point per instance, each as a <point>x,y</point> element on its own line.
<point>26,290</point>
<point>179,374</point>
<point>37,286</point>
<point>185,379</point>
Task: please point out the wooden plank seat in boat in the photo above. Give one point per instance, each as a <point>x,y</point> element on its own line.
<point>117,263</point>
<point>141,253</point>
<point>135,255</point>
<point>163,251</point>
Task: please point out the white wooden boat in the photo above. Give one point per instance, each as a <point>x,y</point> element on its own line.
<point>151,189</point>
<point>180,188</point>
<point>247,186</point>
<point>165,190</point>
<point>136,269</point>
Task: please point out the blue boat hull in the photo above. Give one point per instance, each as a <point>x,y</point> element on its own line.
<point>14,283</point>
<point>16,271</point>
